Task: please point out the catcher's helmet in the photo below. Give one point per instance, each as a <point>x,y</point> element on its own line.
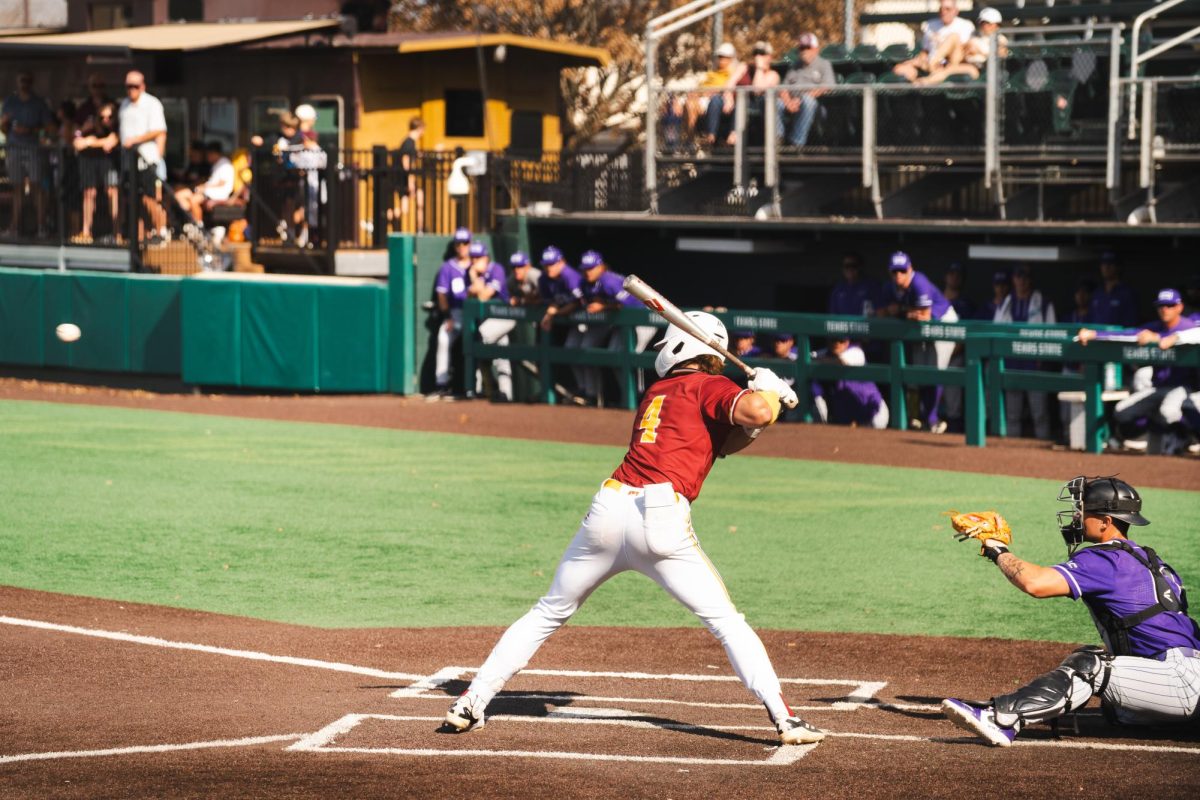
<point>1107,495</point>
<point>678,346</point>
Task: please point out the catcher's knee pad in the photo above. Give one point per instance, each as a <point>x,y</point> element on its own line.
<point>1081,674</point>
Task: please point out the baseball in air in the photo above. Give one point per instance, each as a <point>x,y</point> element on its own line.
<point>68,332</point>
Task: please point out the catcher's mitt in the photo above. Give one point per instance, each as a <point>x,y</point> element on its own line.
<point>981,525</point>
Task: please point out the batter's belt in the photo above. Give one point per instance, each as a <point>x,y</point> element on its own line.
<point>620,488</point>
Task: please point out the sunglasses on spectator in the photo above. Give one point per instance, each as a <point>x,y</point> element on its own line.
<point>129,86</point>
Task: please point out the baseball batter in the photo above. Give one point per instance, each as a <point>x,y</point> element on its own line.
<point>1149,668</point>
<point>640,519</point>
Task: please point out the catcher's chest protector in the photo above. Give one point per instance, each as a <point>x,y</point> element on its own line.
<point>1116,629</point>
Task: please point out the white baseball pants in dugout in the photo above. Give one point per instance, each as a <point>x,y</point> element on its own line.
<point>620,534</point>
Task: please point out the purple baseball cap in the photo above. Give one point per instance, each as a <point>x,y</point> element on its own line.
<point>744,333</point>
<point>518,259</point>
<point>551,255</point>
<point>1168,297</point>
<point>462,235</point>
<point>590,260</point>
<point>900,262</point>
<point>477,250</point>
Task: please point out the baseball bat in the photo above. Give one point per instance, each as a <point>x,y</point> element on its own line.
<point>671,313</point>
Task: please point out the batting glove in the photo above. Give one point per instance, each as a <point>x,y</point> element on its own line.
<point>765,380</point>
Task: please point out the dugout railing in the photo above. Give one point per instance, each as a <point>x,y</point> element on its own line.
<point>980,372</point>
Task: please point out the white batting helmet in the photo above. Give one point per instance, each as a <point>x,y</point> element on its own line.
<point>678,347</point>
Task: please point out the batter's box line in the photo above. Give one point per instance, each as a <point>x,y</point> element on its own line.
<point>863,694</point>
<point>322,742</point>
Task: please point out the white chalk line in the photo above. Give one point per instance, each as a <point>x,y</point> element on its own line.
<point>590,698</point>
<point>204,648</point>
<point>152,748</point>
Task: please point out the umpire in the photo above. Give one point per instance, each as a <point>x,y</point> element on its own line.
<point>1148,671</point>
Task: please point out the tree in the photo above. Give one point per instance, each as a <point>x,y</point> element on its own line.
<point>597,99</point>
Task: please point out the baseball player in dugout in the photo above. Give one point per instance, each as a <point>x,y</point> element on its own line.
<point>1148,671</point>
<point>640,519</point>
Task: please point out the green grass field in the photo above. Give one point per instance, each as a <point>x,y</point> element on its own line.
<point>344,526</point>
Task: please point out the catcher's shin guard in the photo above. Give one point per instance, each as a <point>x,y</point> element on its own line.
<point>1081,674</point>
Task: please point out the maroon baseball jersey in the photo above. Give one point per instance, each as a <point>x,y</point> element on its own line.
<point>680,429</point>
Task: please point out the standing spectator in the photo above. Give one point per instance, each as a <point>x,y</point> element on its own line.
<point>97,98</point>
<point>849,402</point>
<point>24,117</point>
<point>98,168</point>
<point>853,296</point>
<point>1113,303</point>
<point>759,75</point>
<point>406,178</point>
<point>143,128</point>
<point>450,286</point>
<point>744,345</point>
<point>1025,304</point>
<point>916,298</point>
<point>1001,289</point>
<point>801,87</point>
<point>218,188</point>
<point>487,282</point>
<point>311,159</point>
<point>561,289</point>
<point>1162,402</point>
<point>523,282</point>
<point>974,56</point>
<point>941,44</point>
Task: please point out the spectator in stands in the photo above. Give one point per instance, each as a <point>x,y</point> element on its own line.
<point>1001,289</point>
<point>523,282</point>
<point>561,288</point>
<point>486,282</point>
<point>450,285</point>
<point>1113,302</point>
<point>85,113</point>
<point>803,84</point>
<point>759,75</point>
<point>406,177</point>
<point>916,298</point>
<point>849,402</point>
<point>1025,304</point>
<point>1162,402</point>
<point>311,159</point>
<point>143,128</point>
<point>941,44</point>
<point>744,345</point>
<point>973,58</point>
<point>24,117</point>
<point>686,109</point>
<point>217,189</point>
<point>853,296</point>
<point>98,168</point>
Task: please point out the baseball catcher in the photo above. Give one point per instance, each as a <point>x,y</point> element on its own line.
<point>1148,671</point>
<point>640,519</point>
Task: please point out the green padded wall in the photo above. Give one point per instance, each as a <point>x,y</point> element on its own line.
<point>21,318</point>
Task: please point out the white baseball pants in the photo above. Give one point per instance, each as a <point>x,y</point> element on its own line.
<point>1145,691</point>
<point>445,340</point>
<point>618,535</point>
<point>495,331</point>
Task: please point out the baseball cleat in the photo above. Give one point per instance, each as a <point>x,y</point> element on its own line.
<point>979,721</point>
<point>794,730</point>
<point>463,716</point>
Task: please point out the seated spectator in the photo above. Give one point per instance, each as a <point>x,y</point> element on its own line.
<point>973,59</point>
<point>1170,386</point>
<point>942,44</point>
<point>849,402</point>
<point>803,84</point>
<point>487,282</point>
<point>1001,289</point>
<point>1025,304</point>
<point>685,109</point>
<point>743,344</point>
<point>523,281</point>
<point>1113,302</point>
<point>758,74</point>
<point>217,189</point>
<point>98,168</point>
<point>853,296</point>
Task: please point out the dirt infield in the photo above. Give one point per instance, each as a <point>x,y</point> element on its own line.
<point>109,699</point>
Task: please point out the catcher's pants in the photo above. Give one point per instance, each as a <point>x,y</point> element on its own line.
<point>1145,691</point>
<point>618,535</point>
<point>445,340</point>
<point>496,331</point>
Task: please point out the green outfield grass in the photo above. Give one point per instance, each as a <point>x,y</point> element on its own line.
<point>343,526</point>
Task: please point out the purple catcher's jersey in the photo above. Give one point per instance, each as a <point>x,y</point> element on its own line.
<point>1115,581</point>
<point>451,281</point>
<point>609,287</point>
<point>920,286</point>
<point>566,288</point>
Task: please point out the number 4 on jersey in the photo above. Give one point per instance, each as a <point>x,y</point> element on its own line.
<point>650,420</point>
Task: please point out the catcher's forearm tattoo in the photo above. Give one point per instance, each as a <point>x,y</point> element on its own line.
<point>1012,567</point>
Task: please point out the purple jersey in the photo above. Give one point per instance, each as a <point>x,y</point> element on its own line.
<point>921,287</point>
<point>853,299</point>
<point>566,288</point>
<point>1117,306</point>
<point>451,283</point>
<point>496,279</point>
<point>609,288</point>
<point>1165,375</point>
<point>1117,583</point>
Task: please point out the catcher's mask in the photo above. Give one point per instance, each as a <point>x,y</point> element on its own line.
<point>1106,495</point>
